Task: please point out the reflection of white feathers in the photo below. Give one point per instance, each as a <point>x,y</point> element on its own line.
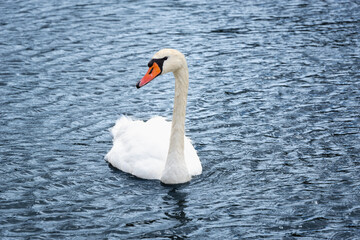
<point>140,148</point>
<point>157,149</point>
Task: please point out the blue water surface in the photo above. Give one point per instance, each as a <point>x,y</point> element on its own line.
<point>273,111</point>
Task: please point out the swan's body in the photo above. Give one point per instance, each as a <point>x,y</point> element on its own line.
<point>158,149</point>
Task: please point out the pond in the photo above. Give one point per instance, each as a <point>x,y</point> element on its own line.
<point>273,112</point>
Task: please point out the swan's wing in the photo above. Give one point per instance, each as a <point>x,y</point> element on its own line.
<point>140,148</point>
<point>191,158</point>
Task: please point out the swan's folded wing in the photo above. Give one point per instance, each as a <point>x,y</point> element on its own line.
<point>191,158</point>
<point>140,148</point>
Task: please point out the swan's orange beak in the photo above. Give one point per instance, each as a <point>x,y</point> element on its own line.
<point>152,73</point>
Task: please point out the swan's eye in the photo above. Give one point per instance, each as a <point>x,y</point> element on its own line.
<point>159,62</point>
<point>151,63</point>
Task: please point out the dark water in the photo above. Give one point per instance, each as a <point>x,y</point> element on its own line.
<point>273,110</point>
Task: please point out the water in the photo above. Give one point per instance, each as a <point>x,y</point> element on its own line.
<point>273,111</point>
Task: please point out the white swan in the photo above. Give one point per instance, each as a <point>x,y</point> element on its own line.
<point>158,149</point>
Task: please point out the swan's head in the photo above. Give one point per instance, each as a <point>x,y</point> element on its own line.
<point>164,61</point>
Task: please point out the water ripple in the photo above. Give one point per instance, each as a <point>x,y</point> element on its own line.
<point>273,111</point>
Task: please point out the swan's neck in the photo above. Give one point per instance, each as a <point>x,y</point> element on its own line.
<point>178,121</point>
<point>175,168</point>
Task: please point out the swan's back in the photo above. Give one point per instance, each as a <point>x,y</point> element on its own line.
<point>140,148</point>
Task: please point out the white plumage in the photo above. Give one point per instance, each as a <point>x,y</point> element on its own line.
<point>157,149</point>
<point>140,148</point>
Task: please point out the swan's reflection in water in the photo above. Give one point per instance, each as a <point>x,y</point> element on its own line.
<point>178,202</point>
